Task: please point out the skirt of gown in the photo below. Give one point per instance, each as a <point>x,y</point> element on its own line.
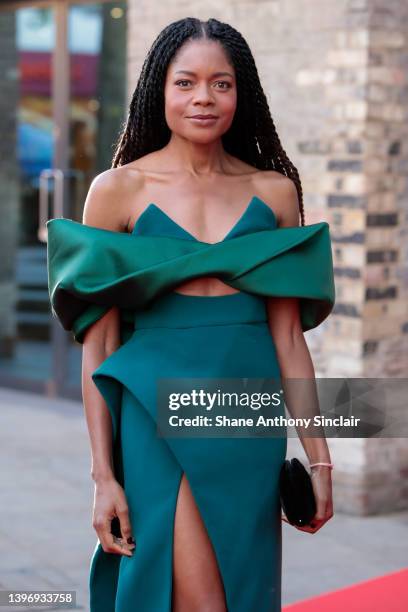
<point>234,480</point>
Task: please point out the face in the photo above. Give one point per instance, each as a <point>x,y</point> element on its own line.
<point>200,81</point>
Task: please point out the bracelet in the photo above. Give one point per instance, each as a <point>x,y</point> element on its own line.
<point>330,465</point>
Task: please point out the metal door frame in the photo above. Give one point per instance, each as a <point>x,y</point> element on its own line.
<point>56,385</point>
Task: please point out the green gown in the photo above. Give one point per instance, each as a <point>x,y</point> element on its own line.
<point>234,480</point>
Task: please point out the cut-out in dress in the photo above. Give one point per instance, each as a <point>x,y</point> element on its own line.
<point>234,480</point>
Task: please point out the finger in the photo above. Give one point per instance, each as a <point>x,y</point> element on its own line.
<point>319,520</point>
<point>329,510</point>
<point>321,517</point>
<point>123,547</point>
<point>113,544</point>
<point>317,524</point>
<point>109,542</point>
<point>125,526</point>
<point>321,511</point>
<point>312,527</point>
<point>320,514</point>
<point>307,528</point>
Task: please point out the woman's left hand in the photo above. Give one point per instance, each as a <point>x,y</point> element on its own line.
<point>322,487</point>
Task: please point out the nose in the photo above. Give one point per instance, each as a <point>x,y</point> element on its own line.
<point>203,94</point>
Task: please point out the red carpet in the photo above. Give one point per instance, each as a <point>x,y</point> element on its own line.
<point>387,593</point>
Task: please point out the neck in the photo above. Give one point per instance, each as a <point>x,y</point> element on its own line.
<point>197,159</point>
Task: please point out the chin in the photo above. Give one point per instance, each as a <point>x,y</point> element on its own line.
<point>202,135</point>
<point>203,138</point>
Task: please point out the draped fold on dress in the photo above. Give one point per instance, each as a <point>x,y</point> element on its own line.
<point>92,269</point>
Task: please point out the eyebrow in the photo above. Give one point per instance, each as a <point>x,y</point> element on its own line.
<point>216,74</point>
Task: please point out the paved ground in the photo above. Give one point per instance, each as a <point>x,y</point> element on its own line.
<point>46,537</point>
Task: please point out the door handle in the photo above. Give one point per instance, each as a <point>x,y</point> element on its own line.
<point>58,203</point>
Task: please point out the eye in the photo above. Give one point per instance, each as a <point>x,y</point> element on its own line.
<point>228,85</point>
<point>183,81</point>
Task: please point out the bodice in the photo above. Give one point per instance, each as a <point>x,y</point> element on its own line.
<point>154,221</point>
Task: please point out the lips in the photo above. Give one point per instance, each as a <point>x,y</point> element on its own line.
<point>203,117</point>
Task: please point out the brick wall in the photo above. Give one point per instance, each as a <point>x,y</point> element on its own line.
<point>334,72</point>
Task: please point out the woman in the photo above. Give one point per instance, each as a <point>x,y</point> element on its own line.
<point>198,283</point>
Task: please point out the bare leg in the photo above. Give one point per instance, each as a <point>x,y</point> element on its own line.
<point>197,582</point>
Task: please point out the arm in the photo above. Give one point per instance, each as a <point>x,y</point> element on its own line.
<point>95,350</point>
<point>101,339</point>
<point>295,362</point>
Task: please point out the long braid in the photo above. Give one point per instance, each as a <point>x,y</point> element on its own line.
<point>252,136</point>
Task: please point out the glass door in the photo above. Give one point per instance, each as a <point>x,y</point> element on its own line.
<point>96,109</point>
<point>26,127</point>
<point>64,97</point>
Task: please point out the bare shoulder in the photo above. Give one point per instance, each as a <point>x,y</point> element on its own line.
<point>106,203</point>
<point>280,193</point>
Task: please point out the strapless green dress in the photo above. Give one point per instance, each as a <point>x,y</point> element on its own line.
<point>234,480</point>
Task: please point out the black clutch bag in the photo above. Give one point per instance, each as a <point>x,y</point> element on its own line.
<point>296,493</point>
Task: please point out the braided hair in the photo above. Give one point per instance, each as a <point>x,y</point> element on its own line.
<point>252,136</point>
